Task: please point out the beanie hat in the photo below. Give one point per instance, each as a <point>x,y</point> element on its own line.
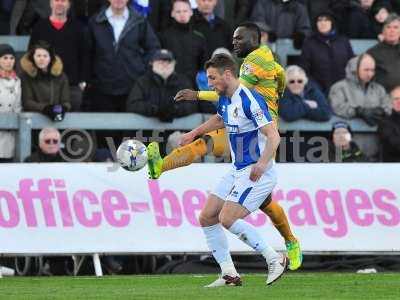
<point>341,124</point>
<point>6,49</point>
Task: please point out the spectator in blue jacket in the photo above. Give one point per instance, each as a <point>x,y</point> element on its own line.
<point>302,99</point>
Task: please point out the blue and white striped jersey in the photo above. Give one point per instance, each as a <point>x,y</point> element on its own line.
<point>243,114</point>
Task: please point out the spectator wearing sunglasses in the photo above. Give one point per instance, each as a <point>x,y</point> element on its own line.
<point>302,99</point>
<point>49,147</point>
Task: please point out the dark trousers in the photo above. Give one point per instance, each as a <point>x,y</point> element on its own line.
<point>100,102</point>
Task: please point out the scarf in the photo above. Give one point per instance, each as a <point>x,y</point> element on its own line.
<point>8,75</point>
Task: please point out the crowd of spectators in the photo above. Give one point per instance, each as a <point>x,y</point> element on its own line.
<point>133,56</point>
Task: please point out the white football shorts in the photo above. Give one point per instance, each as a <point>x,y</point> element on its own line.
<point>236,186</point>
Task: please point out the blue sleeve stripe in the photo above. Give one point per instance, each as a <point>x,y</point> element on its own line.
<point>219,112</point>
<point>244,195</point>
<point>263,105</point>
<point>246,103</point>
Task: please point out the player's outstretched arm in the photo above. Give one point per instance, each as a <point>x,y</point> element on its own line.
<point>190,95</point>
<point>214,123</point>
<point>273,140</point>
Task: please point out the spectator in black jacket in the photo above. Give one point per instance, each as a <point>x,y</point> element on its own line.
<point>188,46</point>
<point>6,8</point>
<point>389,130</point>
<point>215,30</point>
<point>342,147</point>
<point>288,19</point>
<point>302,99</point>
<point>360,20</point>
<point>153,93</point>
<point>83,10</point>
<point>157,12</point>
<point>32,12</point>
<point>396,6</point>
<point>381,12</point>
<point>49,147</point>
<point>387,54</point>
<point>67,37</point>
<point>121,43</point>
<point>325,54</point>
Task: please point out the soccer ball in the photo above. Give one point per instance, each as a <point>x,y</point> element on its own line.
<point>132,155</point>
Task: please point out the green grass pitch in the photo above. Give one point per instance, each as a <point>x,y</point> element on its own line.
<point>175,287</point>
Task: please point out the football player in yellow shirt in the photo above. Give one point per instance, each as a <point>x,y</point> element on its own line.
<point>261,72</point>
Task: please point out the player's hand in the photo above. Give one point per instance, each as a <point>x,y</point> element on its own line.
<point>186,94</point>
<point>311,103</point>
<point>187,138</point>
<point>257,170</point>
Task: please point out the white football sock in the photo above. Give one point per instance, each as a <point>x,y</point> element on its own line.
<point>249,235</point>
<point>218,245</point>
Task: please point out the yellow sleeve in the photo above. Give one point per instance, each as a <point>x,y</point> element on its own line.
<point>281,79</point>
<point>207,96</point>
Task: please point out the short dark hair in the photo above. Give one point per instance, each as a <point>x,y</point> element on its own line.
<point>174,1</point>
<point>253,28</point>
<point>222,62</point>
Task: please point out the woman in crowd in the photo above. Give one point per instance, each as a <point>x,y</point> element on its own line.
<point>302,99</point>
<point>45,87</point>
<point>10,99</point>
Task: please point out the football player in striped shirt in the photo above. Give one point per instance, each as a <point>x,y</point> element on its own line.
<point>261,72</point>
<point>253,140</point>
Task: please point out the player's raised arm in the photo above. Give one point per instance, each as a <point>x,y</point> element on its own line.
<point>190,95</point>
<point>214,123</point>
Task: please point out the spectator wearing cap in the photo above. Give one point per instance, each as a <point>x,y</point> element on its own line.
<point>10,99</point>
<point>302,99</point>
<point>121,43</point>
<point>66,35</point>
<point>358,95</point>
<point>214,29</point>
<point>325,54</point>
<point>389,130</point>
<point>387,54</point>
<point>188,46</point>
<point>342,147</point>
<point>49,147</point>
<point>153,93</point>
<point>45,87</point>
<point>287,18</point>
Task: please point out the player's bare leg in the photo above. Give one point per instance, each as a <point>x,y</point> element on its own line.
<point>217,242</point>
<point>186,155</point>
<point>278,217</point>
<point>231,217</point>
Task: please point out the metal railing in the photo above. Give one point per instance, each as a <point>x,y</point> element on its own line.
<point>24,123</point>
